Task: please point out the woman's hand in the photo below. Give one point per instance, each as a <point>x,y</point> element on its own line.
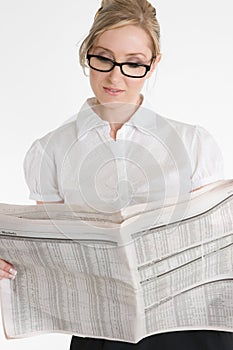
<point>7,270</point>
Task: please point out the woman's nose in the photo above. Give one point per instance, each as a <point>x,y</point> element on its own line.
<point>115,74</point>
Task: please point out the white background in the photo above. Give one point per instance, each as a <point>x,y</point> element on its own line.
<point>42,85</point>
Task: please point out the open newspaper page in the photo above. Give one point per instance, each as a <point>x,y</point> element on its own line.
<point>145,270</point>
<point>185,268</point>
<point>72,276</point>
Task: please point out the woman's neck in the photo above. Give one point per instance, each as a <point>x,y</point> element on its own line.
<point>117,114</point>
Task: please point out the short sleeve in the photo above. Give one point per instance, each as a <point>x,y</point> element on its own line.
<point>207,159</point>
<point>41,174</point>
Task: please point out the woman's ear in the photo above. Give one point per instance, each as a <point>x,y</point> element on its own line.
<point>154,65</point>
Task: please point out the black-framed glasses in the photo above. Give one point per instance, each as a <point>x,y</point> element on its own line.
<point>130,69</point>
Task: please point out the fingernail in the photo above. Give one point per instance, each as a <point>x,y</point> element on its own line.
<point>12,277</point>
<point>13,272</point>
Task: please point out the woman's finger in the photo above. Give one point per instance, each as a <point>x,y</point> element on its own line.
<point>7,270</point>
<point>4,274</point>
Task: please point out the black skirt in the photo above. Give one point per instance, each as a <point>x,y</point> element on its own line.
<point>183,340</point>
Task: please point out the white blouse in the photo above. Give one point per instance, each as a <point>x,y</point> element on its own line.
<point>153,158</point>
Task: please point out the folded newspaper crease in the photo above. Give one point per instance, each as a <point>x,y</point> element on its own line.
<point>147,269</point>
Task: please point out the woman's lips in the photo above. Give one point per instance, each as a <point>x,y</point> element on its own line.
<point>112,91</point>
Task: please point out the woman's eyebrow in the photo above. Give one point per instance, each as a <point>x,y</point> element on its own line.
<point>136,54</point>
<point>129,54</point>
<point>102,48</point>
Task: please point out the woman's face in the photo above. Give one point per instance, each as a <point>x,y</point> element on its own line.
<point>126,44</point>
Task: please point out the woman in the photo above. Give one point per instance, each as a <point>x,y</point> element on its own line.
<point>118,152</point>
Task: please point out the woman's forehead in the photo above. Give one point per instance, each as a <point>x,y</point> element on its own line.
<point>129,40</point>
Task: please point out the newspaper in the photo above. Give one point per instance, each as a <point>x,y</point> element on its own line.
<point>147,269</point>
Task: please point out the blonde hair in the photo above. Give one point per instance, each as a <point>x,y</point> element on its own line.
<point>118,13</point>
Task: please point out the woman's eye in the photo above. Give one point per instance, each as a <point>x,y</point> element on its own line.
<point>103,59</point>
<point>133,65</point>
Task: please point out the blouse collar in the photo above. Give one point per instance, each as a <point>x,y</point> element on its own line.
<point>143,119</point>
